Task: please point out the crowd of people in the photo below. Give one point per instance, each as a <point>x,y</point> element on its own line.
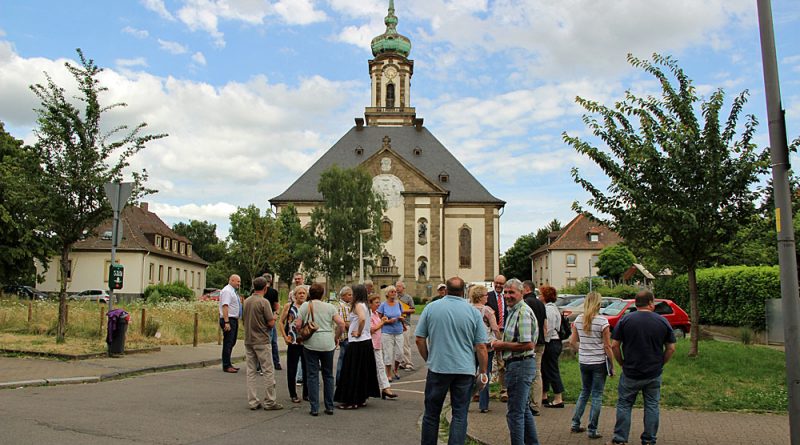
<point>463,336</point>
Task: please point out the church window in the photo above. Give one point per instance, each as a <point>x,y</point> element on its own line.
<point>390,95</point>
<point>386,229</point>
<point>465,247</point>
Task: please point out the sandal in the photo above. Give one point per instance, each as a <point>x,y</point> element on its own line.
<point>347,406</point>
<point>554,405</point>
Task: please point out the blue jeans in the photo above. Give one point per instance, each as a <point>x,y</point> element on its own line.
<point>519,377</point>
<point>483,401</point>
<point>340,361</point>
<point>276,358</point>
<point>316,361</point>
<point>628,389</point>
<point>228,340</point>
<point>593,380</point>
<point>436,387</point>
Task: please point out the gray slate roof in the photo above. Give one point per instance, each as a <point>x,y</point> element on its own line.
<point>433,160</point>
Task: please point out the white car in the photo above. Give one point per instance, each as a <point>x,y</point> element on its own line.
<point>98,295</point>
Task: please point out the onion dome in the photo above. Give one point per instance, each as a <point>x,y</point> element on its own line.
<point>390,41</point>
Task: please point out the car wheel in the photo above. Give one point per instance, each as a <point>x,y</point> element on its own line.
<point>680,333</point>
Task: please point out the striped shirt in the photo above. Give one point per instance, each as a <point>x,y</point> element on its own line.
<point>521,327</point>
<point>590,351</point>
<point>344,311</point>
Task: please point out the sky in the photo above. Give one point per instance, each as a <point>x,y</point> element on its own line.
<point>252,92</point>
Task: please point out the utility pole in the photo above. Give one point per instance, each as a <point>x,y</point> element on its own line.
<point>117,194</point>
<point>779,154</point>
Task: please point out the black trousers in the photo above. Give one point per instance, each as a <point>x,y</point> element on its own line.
<point>228,340</point>
<point>551,375</point>
<point>294,355</point>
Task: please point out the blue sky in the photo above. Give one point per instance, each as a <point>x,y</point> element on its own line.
<point>254,91</point>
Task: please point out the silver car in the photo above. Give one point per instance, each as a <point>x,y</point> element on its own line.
<point>98,295</point>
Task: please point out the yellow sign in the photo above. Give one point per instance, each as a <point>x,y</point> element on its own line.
<point>778,219</point>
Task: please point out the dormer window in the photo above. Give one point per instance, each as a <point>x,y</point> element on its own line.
<point>444,177</point>
<point>174,246</point>
<point>359,151</point>
<point>183,248</point>
<point>417,151</point>
<point>189,250</point>
<point>166,243</point>
<point>158,241</point>
<point>594,237</point>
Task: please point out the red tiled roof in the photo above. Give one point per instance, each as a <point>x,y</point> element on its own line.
<point>575,236</point>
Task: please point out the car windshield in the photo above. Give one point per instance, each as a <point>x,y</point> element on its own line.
<point>575,303</point>
<point>614,308</point>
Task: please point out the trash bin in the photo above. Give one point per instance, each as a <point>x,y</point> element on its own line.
<point>117,328</point>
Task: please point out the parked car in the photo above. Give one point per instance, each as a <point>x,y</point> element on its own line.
<point>677,317</point>
<point>565,299</point>
<point>98,295</point>
<point>27,292</point>
<point>210,296</point>
<point>572,310</point>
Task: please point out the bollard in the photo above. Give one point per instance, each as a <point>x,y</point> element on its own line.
<point>196,325</point>
<point>102,317</point>
<point>144,319</point>
<point>30,311</point>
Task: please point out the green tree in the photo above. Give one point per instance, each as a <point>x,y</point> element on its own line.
<point>516,262</point>
<point>613,261</point>
<point>255,244</point>
<point>349,205</point>
<point>203,236</point>
<point>300,246</point>
<point>77,158</point>
<point>23,226</point>
<point>680,184</point>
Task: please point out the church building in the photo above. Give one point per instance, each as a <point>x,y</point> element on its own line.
<point>440,221</point>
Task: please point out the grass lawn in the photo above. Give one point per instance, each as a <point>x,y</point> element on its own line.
<point>724,377</point>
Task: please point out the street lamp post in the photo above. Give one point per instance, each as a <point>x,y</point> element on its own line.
<point>361,234</point>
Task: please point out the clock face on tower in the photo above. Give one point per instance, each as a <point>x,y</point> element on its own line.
<point>390,73</point>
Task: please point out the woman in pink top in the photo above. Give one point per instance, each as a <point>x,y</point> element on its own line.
<point>376,323</point>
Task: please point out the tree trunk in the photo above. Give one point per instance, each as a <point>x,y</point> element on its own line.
<point>62,295</point>
<point>694,314</point>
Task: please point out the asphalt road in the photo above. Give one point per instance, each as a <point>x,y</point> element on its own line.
<point>198,406</point>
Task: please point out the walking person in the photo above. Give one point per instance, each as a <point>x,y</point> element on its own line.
<point>392,332</point>
<point>376,323</point>
<point>229,309</point>
<point>551,372</point>
<point>359,380</point>
<point>642,343</point>
<point>259,321</point>
<point>294,346</point>
<point>319,348</point>
<point>517,346</point>
<point>478,295</point>
<point>591,336</point>
<point>449,335</point>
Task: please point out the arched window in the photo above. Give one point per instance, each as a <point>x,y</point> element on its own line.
<point>465,247</point>
<point>390,95</point>
<point>386,229</point>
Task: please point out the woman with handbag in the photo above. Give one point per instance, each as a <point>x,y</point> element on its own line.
<point>358,380</point>
<point>294,345</point>
<point>319,326</point>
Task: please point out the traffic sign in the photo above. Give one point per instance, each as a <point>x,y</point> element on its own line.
<point>116,273</point>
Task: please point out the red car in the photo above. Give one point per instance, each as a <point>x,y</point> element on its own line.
<point>677,317</point>
<point>210,296</point>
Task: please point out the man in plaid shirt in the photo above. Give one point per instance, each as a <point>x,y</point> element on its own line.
<point>516,347</point>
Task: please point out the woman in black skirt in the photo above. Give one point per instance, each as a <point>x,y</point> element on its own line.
<point>359,376</point>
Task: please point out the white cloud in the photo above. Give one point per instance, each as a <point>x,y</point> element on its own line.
<point>219,210</point>
<point>172,47</point>
<point>199,58</point>
<point>159,8</point>
<point>2,33</point>
<point>128,63</point>
<point>138,33</point>
<point>298,12</point>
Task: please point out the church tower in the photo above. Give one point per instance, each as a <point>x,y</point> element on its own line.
<point>390,72</point>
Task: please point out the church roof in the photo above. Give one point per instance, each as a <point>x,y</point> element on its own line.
<point>432,161</point>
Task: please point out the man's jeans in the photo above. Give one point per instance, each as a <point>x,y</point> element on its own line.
<point>519,376</point>
<point>593,380</point>
<point>276,358</point>
<point>228,340</point>
<point>316,360</point>
<point>436,387</point>
<point>627,390</point>
<point>340,361</point>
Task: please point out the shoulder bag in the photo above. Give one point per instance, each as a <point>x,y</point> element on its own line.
<point>309,327</point>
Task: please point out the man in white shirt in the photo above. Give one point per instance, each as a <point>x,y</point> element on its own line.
<point>229,310</point>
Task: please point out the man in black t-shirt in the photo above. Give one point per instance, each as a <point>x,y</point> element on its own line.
<point>273,297</point>
<point>647,343</point>
<point>541,319</point>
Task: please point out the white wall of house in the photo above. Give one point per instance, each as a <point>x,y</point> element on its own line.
<point>561,268</point>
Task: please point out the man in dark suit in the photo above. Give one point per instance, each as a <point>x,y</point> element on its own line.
<point>498,305</point>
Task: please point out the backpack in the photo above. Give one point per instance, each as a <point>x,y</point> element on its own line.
<point>565,330</point>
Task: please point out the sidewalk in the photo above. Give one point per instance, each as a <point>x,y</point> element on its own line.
<point>676,427</point>
<point>18,372</point>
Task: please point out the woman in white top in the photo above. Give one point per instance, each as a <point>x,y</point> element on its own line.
<point>478,295</point>
<point>359,379</point>
<point>591,335</point>
<point>551,374</point>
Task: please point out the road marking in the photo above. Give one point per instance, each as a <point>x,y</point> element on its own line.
<point>408,381</point>
<point>409,390</point>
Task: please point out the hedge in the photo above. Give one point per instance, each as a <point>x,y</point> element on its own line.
<point>177,290</point>
<point>727,296</point>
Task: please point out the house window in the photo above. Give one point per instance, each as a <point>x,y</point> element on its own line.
<point>169,275</point>
<point>594,237</point>
<point>595,260</point>
<point>174,246</point>
<point>183,248</point>
<point>189,250</point>
<point>158,241</point>
<point>192,286</point>
<point>185,276</point>
<point>465,247</point>
<point>166,243</point>
<point>151,273</point>
<point>547,262</point>
<point>199,280</point>
<point>161,274</point>
<point>572,260</point>
<point>572,282</point>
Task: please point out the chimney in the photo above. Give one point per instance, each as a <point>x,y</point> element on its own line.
<point>418,123</point>
<point>359,123</point>
<point>144,206</point>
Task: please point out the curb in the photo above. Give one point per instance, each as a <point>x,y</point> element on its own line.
<point>114,375</point>
<point>75,356</point>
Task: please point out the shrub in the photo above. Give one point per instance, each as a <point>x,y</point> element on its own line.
<point>582,286</point>
<point>728,296</point>
<point>151,327</point>
<point>169,291</point>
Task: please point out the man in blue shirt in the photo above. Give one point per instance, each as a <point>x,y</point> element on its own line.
<point>449,334</point>
<point>643,342</point>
